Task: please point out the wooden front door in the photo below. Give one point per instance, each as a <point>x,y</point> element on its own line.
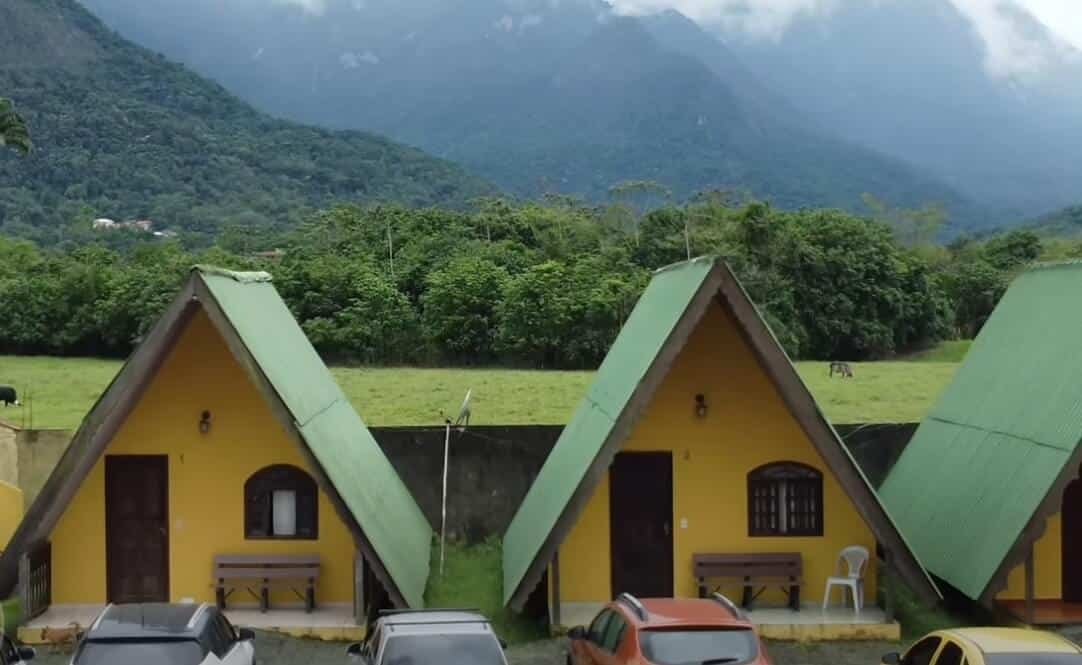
<point>137,528</point>
<point>1071,539</point>
<point>641,523</point>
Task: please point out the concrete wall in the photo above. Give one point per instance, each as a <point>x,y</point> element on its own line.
<point>9,455</point>
<point>39,450</point>
<point>876,447</point>
<point>490,469</point>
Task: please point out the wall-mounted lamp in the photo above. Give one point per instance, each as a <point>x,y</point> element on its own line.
<point>700,405</point>
<point>204,422</point>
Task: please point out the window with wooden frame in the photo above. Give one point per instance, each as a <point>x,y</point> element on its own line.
<point>785,499</point>
<point>281,503</point>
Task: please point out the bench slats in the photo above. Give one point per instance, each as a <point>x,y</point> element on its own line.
<point>267,571</point>
<point>270,560</point>
<point>258,573</point>
<point>750,571</point>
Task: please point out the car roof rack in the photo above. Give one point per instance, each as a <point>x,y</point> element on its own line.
<point>729,605</point>
<point>634,603</point>
<point>429,610</point>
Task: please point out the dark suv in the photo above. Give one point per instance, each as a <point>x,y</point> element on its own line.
<point>163,634</point>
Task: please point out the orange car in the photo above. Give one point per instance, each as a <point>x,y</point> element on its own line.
<point>668,631</point>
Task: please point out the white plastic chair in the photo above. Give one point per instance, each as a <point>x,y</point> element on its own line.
<point>855,560</point>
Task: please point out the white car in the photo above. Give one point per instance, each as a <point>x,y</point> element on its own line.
<point>414,637</point>
<point>164,634</point>
<point>12,654</point>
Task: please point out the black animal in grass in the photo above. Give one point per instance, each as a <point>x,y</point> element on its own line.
<point>838,367</point>
<point>8,396</point>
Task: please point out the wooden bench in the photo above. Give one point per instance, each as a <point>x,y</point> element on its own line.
<point>753,572</point>
<point>264,572</point>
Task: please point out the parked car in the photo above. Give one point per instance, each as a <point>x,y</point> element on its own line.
<point>164,634</point>
<point>417,637</point>
<point>13,654</point>
<point>989,646</point>
<point>668,631</point>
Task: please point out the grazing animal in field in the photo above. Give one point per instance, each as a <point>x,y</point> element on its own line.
<point>841,368</point>
<point>8,396</point>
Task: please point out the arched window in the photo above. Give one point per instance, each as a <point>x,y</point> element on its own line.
<point>785,499</point>
<point>281,503</point>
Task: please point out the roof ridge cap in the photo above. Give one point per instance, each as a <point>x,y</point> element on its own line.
<point>709,258</point>
<point>250,277</point>
<point>1045,265</point>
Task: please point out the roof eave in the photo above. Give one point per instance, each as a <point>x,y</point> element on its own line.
<point>1034,529</point>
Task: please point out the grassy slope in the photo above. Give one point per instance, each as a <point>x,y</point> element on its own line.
<point>473,579</point>
<point>63,389</point>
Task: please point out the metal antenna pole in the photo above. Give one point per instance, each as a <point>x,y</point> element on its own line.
<point>443,507</point>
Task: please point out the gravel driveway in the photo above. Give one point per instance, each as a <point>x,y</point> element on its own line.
<point>273,649</point>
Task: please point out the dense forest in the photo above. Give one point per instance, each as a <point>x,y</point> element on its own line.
<point>536,285</point>
<point>122,133</point>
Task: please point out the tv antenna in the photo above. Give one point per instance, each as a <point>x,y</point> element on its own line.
<point>460,423</point>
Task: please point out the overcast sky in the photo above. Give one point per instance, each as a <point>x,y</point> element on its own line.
<point>1010,52</point>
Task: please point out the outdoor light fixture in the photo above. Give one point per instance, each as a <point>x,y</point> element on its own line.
<point>204,422</point>
<point>700,405</point>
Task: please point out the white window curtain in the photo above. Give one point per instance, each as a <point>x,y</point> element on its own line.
<point>284,512</point>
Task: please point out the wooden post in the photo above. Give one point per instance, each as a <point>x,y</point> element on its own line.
<point>554,613</point>
<point>1029,586</point>
<point>360,610</point>
<point>887,575</point>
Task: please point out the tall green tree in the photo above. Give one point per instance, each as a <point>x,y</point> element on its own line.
<point>13,131</point>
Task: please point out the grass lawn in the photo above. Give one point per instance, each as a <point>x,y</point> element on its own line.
<point>57,392</point>
<point>473,578</point>
<point>947,352</point>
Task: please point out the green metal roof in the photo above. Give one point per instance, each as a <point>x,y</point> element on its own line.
<point>353,462</point>
<point>999,439</point>
<point>625,366</point>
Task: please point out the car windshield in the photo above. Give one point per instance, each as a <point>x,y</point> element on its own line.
<point>140,653</point>
<point>1033,659</point>
<point>684,647</point>
<point>476,649</point>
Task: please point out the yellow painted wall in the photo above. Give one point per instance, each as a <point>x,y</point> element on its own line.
<point>748,425</point>
<point>11,511</point>
<point>1047,567</point>
<point>206,481</point>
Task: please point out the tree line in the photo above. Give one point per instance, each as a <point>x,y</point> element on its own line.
<point>545,284</point>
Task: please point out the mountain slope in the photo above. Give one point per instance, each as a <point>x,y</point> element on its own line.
<point>1066,223</point>
<point>122,133</point>
<point>915,79</point>
<point>536,95</point>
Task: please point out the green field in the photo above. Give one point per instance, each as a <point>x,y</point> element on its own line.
<point>57,392</point>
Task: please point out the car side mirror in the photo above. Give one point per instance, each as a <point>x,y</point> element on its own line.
<point>27,653</point>
<point>577,633</point>
<point>356,650</point>
<point>246,634</point>
<point>893,658</point>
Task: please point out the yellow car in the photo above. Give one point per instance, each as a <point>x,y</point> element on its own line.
<point>989,646</point>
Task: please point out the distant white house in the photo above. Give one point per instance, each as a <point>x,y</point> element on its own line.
<point>103,223</point>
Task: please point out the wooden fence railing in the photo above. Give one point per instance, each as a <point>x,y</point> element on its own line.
<point>36,580</point>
